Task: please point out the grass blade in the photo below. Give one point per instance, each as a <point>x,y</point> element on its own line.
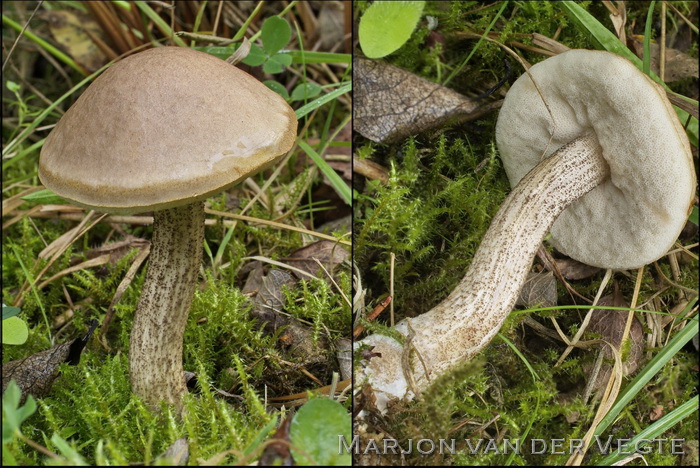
<point>650,370</point>
<point>611,43</point>
<point>43,44</point>
<point>340,187</point>
<point>316,103</point>
<point>648,435</point>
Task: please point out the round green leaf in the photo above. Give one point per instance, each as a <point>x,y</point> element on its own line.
<point>277,63</point>
<point>276,34</point>
<point>255,57</point>
<point>278,88</point>
<point>9,311</point>
<point>305,91</point>
<point>14,331</point>
<point>316,429</point>
<point>386,26</point>
<point>12,86</point>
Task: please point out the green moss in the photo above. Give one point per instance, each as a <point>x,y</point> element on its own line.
<point>314,302</point>
<point>433,198</point>
<point>444,187</point>
<point>90,405</point>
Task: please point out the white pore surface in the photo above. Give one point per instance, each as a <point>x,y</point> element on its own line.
<point>635,217</point>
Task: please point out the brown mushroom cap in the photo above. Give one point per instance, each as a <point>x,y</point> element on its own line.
<point>163,128</point>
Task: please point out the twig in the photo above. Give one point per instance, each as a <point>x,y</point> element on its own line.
<point>372,315</point>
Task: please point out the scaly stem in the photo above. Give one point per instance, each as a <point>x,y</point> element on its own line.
<point>462,324</point>
<point>155,357</point>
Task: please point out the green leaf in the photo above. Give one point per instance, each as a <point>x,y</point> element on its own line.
<point>386,26</point>
<point>68,452</point>
<point>305,56</point>
<point>14,331</point>
<point>255,57</point>
<point>336,181</point>
<point>8,459</point>
<point>278,88</point>
<point>272,68</point>
<point>603,35</point>
<point>653,432</point>
<point>12,414</point>
<point>298,56</point>
<point>161,24</point>
<point>693,218</point>
<point>283,59</point>
<point>12,86</point>
<point>10,402</point>
<point>316,429</point>
<point>662,357</point>
<point>8,311</point>
<point>277,63</point>
<point>305,91</point>
<point>276,34</point>
<point>313,105</point>
<point>45,197</point>
<point>261,436</point>
<point>646,59</point>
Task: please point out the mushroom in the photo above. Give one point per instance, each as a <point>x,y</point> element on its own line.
<point>605,164</point>
<point>161,131</point>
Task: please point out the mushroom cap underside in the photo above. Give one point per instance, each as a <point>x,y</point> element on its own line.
<point>634,217</point>
<point>163,128</point>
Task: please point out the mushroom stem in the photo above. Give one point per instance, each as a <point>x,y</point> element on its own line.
<point>462,324</point>
<point>155,359</point>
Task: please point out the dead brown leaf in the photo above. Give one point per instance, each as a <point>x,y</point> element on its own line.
<point>344,354</point>
<point>74,33</point>
<point>115,250</point>
<point>268,304</point>
<point>277,452</point>
<point>178,454</point>
<point>610,326</point>
<point>330,254</point>
<point>549,44</point>
<point>540,289</point>
<point>35,374</point>
<point>656,413</point>
<point>679,65</point>
<point>270,298</point>
<point>574,270</point>
<point>331,27</point>
<point>255,272</point>
<point>391,103</point>
<point>618,17</point>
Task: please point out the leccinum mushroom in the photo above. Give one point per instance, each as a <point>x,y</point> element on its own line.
<point>611,155</point>
<point>161,131</point>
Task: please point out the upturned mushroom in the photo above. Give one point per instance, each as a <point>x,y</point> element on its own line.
<point>161,131</point>
<point>600,158</point>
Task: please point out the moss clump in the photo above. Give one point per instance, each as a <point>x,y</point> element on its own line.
<point>431,215</point>
<point>444,187</point>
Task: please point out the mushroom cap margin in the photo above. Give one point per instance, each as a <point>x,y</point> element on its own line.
<point>634,217</point>
<point>162,128</point>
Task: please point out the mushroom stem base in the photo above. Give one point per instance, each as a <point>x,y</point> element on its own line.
<point>462,324</point>
<point>155,356</point>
